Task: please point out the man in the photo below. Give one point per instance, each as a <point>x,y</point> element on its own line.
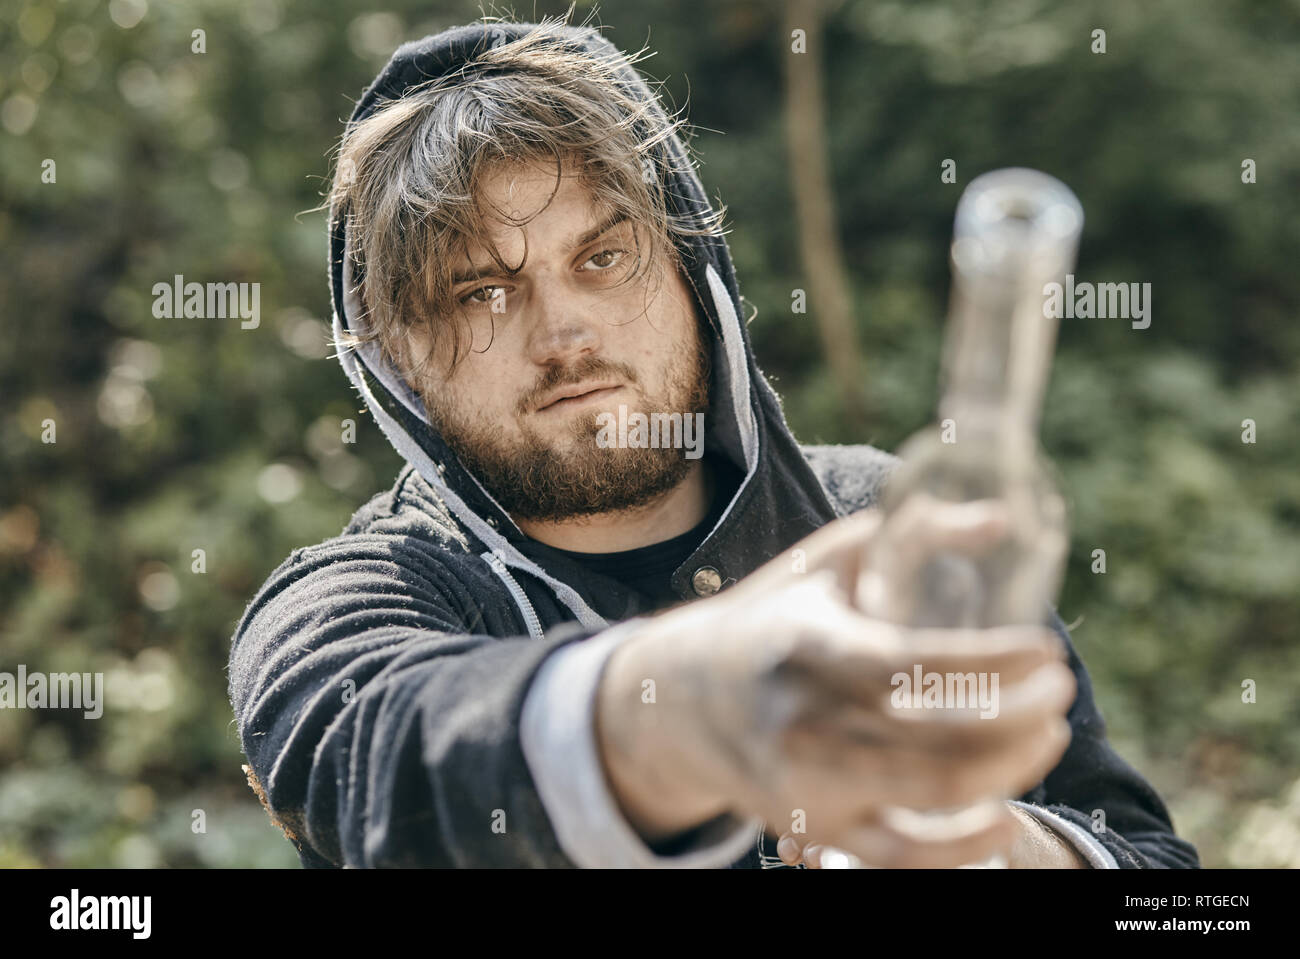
<point>516,657</point>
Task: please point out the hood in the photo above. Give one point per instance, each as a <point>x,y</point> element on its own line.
<point>780,499</point>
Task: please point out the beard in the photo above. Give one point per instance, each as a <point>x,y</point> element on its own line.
<point>549,479</point>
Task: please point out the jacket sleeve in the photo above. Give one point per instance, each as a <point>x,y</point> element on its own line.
<point>382,730</point>
<point>1093,798</point>
<point>381,717</point>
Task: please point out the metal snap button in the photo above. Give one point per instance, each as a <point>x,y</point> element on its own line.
<point>706,581</point>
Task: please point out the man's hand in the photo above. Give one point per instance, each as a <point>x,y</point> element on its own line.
<point>1034,847</point>
<point>773,699</point>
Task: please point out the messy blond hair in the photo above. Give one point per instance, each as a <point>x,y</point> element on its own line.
<point>408,176</point>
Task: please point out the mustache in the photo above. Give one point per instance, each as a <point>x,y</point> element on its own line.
<point>593,367</point>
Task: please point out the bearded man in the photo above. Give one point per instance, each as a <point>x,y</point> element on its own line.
<point>541,648</point>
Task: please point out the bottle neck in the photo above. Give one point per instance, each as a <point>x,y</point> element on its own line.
<point>999,343</point>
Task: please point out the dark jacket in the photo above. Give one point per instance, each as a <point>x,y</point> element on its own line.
<point>379,679</point>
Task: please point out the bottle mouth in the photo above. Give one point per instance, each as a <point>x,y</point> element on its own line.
<point>1007,217</point>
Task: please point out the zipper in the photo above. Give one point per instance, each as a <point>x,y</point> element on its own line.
<point>516,591</point>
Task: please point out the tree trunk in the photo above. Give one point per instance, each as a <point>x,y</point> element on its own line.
<point>829,301</point>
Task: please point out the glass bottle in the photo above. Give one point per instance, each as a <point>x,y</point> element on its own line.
<point>1016,231</point>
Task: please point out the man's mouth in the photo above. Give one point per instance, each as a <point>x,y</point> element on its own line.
<point>569,397</point>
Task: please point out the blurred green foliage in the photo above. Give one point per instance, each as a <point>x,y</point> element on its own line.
<point>177,435</point>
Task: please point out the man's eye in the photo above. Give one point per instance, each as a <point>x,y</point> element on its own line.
<point>483,295</point>
<point>606,259</point>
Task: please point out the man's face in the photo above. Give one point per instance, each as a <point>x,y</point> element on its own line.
<point>558,343</point>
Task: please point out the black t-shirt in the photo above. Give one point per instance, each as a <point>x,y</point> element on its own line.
<point>647,570</point>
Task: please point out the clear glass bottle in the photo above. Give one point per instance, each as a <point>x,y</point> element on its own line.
<point>1016,231</point>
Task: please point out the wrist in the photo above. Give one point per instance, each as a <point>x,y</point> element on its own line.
<point>1038,847</point>
<point>645,744</point>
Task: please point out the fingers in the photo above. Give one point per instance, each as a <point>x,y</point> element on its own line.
<point>922,564</point>
<point>861,657</point>
<point>837,545</point>
<point>796,850</point>
<point>920,526</point>
<point>834,758</point>
<point>830,857</point>
<point>1011,650</point>
<point>982,728</point>
<point>858,718</point>
<point>899,838</point>
<point>790,848</point>
<point>924,525</point>
<point>841,537</point>
<point>923,778</point>
<point>844,660</point>
<point>873,715</point>
<point>985,719</point>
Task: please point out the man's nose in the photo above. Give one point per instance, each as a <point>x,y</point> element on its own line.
<point>563,328</point>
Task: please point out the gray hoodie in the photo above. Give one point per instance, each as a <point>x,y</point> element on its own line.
<point>418,692</point>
